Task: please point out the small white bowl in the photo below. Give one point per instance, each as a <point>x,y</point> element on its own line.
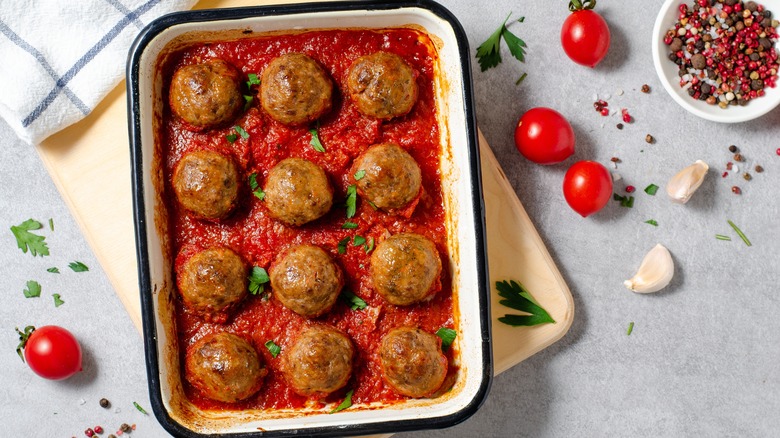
<point>667,72</point>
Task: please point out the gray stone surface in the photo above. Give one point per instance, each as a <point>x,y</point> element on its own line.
<point>704,356</point>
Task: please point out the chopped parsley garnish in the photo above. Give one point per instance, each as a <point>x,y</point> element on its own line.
<point>140,409</point>
<point>360,174</point>
<point>343,245</point>
<point>26,240</point>
<point>78,267</point>
<point>625,201</point>
<point>315,139</point>
<point>57,300</point>
<point>273,348</point>
<point>257,279</point>
<point>370,245</point>
<point>53,270</point>
<point>349,226</point>
<point>722,237</point>
<point>518,298</point>
<point>522,78</point>
<point>241,132</point>
<point>51,224</point>
<point>231,138</point>
<point>33,289</point>
<point>359,240</point>
<point>351,202</point>
<point>253,80</point>
<point>652,222</point>
<point>248,102</point>
<point>740,233</point>
<point>651,189</point>
<point>630,328</point>
<point>345,404</point>
<point>447,336</point>
<point>489,52</point>
<point>354,301</point>
<point>372,205</point>
<point>256,190</point>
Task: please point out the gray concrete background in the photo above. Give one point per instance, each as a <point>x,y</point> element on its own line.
<point>704,355</point>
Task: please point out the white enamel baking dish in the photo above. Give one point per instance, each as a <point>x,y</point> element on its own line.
<point>463,197</point>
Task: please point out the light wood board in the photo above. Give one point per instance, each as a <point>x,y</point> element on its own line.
<point>89,163</point>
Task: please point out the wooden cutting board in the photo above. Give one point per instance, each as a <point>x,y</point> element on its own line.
<point>89,163</point>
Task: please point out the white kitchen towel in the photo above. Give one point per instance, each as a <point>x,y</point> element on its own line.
<point>59,58</point>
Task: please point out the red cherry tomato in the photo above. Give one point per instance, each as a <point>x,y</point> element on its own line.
<point>587,187</point>
<point>50,351</point>
<point>585,37</point>
<point>544,136</point>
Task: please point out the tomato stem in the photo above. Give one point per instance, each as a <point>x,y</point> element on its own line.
<point>577,5</point>
<point>23,337</point>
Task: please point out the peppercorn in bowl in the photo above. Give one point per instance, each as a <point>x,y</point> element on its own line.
<point>719,59</point>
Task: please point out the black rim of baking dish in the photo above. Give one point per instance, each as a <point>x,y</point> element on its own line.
<point>139,211</point>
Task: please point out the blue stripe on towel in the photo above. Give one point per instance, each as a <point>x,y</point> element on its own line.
<point>16,39</point>
<point>123,9</point>
<point>91,53</point>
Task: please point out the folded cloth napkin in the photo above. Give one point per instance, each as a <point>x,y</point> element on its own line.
<point>60,58</point>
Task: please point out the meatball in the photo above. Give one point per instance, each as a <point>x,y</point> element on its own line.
<point>392,178</point>
<point>207,95</point>
<point>405,269</point>
<point>412,361</point>
<point>206,183</point>
<point>212,282</point>
<point>297,191</point>
<point>320,361</point>
<point>295,90</point>
<point>382,85</point>
<point>224,367</point>
<point>306,280</point>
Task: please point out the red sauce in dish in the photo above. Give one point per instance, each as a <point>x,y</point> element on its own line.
<point>258,238</point>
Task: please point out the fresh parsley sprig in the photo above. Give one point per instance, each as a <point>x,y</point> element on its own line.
<point>273,348</point>
<point>447,336</point>
<point>345,404</point>
<point>255,187</point>
<point>354,301</point>
<point>315,139</point>
<point>26,240</point>
<point>257,279</point>
<point>518,298</point>
<point>489,52</point>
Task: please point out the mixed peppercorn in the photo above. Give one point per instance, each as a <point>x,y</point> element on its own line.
<point>724,50</point>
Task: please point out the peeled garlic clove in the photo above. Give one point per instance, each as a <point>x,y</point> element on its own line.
<point>655,272</point>
<point>682,186</point>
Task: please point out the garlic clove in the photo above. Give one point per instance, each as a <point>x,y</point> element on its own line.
<point>682,186</point>
<point>655,272</point>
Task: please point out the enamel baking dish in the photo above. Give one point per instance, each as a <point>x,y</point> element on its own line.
<point>460,170</point>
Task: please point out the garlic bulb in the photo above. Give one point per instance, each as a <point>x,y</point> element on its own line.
<point>682,186</point>
<point>655,272</point>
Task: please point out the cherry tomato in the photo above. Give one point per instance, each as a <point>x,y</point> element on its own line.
<point>544,136</point>
<point>587,187</point>
<point>585,37</point>
<point>50,351</point>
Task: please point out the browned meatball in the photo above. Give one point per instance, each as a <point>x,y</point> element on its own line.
<point>382,85</point>
<point>212,282</point>
<point>206,183</point>
<point>306,280</point>
<point>224,367</point>
<point>207,95</point>
<point>297,191</point>
<point>295,90</point>
<point>320,361</point>
<point>405,268</point>
<point>392,178</point>
<point>412,361</point>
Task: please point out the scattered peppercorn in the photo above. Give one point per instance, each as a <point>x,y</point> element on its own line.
<point>645,88</point>
<point>650,139</point>
<point>89,432</point>
<point>125,428</point>
<point>626,116</point>
<point>98,430</point>
<point>630,189</point>
<point>111,436</point>
<point>729,165</point>
<point>738,157</point>
<point>759,169</point>
<point>733,149</point>
<point>619,126</point>
<point>614,159</point>
<point>736,190</point>
<point>725,174</point>
<point>104,403</point>
<point>747,176</point>
<point>777,151</point>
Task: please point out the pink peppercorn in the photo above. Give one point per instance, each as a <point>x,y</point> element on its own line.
<point>630,189</point>
<point>98,429</point>
<point>89,432</point>
<point>777,151</point>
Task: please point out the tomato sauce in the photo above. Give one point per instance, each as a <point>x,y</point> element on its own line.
<point>252,233</point>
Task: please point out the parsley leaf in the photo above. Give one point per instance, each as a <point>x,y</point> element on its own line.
<point>349,226</point>
<point>53,270</point>
<point>489,52</point>
<point>447,336</point>
<point>258,192</point>
<point>257,279</point>
<point>518,298</point>
<point>360,174</point>
<point>57,300</point>
<point>345,404</point>
<point>26,240</point>
<point>630,328</point>
<point>351,202</point>
<point>354,301</point>
<point>78,267</point>
<point>51,224</point>
<point>273,348</point>
<point>515,44</point>
<point>248,102</point>
<point>253,80</point>
<point>651,189</point>
<point>241,132</point>
<point>370,245</point>
<point>231,138</point>
<point>625,201</point>
<point>315,139</point>
<point>652,222</point>
<point>140,409</point>
<point>359,240</point>
<point>33,289</point>
<point>343,245</point>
